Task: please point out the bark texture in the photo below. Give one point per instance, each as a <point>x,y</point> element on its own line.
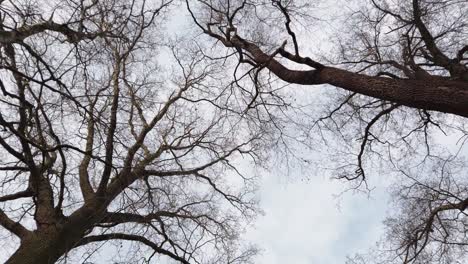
<point>47,244</point>
<point>430,92</point>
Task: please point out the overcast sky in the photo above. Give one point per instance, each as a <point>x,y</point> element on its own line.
<point>307,218</point>
<point>305,222</point>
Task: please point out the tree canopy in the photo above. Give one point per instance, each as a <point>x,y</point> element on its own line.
<point>117,125</point>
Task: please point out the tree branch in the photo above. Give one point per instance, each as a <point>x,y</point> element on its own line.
<point>21,33</point>
<point>12,226</point>
<point>136,238</point>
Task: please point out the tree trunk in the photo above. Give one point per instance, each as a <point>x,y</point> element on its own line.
<point>39,249</point>
<point>47,245</point>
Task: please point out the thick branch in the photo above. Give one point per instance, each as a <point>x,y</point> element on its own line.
<point>439,58</point>
<point>136,238</point>
<point>438,94</point>
<point>112,126</point>
<point>12,226</point>
<point>85,185</point>
<point>21,194</point>
<point>26,31</point>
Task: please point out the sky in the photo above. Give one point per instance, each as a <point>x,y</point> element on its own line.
<point>305,219</point>
<point>308,221</point>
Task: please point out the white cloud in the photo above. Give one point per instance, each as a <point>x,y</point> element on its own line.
<point>305,223</point>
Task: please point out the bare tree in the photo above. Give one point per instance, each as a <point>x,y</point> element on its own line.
<point>111,131</point>
<point>401,69</point>
<point>102,139</point>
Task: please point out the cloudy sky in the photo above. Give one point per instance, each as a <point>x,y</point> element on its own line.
<point>305,220</point>
<point>308,218</point>
<point>309,222</point>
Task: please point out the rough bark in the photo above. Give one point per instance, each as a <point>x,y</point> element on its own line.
<point>436,94</point>
<point>431,93</point>
<point>43,248</point>
<point>46,245</point>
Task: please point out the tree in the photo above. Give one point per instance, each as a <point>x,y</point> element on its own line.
<point>402,70</point>
<point>116,129</point>
<point>410,82</point>
<point>110,130</point>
